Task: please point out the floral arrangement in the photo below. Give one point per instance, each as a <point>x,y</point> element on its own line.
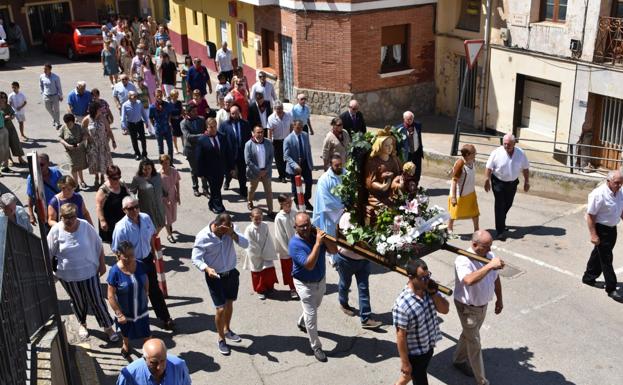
<point>410,229</point>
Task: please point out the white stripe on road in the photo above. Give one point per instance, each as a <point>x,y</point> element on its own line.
<point>537,262</point>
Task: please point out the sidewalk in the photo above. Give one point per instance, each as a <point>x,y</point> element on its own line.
<point>437,133</point>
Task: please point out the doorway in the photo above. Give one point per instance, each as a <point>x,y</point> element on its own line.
<point>287,68</point>
<point>469,101</point>
<point>46,17</point>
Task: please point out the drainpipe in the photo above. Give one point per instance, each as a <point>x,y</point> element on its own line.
<point>484,82</point>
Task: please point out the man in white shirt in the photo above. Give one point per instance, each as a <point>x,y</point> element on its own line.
<point>504,165</point>
<point>223,62</point>
<point>279,126</point>
<point>475,284</point>
<point>604,212</point>
<point>264,87</point>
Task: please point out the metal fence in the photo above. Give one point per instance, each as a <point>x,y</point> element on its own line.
<point>571,159</point>
<point>28,305</point>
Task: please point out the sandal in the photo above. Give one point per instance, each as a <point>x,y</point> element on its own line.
<point>83,185</point>
<point>171,239</point>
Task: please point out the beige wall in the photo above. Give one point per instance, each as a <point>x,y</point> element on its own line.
<point>505,65</point>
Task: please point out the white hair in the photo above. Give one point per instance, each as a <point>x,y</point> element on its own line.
<point>7,199</point>
<point>353,103</point>
<point>407,114</point>
<point>611,175</point>
<point>509,136</point>
<point>127,200</point>
<point>81,83</point>
<point>229,98</point>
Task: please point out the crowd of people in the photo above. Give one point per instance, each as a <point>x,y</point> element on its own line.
<point>239,139</point>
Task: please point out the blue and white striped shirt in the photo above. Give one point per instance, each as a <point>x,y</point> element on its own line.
<point>418,317</point>
<point>50,85</point>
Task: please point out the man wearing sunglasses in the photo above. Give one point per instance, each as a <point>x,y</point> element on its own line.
<point>138,229</point>
<point>264,87</point>
<point>51,176</point>
<point>415,317</point>
<point>473,289</point>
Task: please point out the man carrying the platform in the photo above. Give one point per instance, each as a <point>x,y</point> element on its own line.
<point>307,249</point>
<point>473,290</point>
<point>415,317</point>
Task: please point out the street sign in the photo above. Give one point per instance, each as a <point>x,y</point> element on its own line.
<point>472,50</point>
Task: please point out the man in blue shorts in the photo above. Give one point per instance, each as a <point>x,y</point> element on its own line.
<point>214,254</point>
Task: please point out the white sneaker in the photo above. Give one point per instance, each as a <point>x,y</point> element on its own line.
<point>83,333</point>
<point>112,335</point>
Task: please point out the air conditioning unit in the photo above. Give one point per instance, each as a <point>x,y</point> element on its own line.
<point>575,45</point>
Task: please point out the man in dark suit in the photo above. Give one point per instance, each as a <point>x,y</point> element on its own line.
<point>298,156</point>
<point>259,111</point>
<point>237,133</point>
<point>214,160</point>
<point>353,119</point>
<point>412,147</point>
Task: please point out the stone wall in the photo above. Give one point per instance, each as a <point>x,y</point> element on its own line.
<point>379,107</point>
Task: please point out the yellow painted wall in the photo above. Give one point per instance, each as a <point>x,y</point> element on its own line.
<point>208,15</point>
<point>178,16</point>
<point>448,48</point>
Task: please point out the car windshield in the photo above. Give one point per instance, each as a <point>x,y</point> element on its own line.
<point>89,31</point>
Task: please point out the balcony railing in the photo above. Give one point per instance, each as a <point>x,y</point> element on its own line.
<point>609,42</point>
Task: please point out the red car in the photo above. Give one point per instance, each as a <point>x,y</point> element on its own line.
<point>75,38</point>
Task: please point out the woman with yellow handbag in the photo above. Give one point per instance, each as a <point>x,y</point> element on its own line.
<point>462,202</point>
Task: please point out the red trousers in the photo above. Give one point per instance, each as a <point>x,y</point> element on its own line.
<point>264,280</point>
<point>286,270</point>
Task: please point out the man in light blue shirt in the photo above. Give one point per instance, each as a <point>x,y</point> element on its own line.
<point>133,115</point>
<point>138,229</point>
<point>121,90</point>
<point>155,367</point>
<point>78,101</point>
<point>214,254</point>
<point>52,93</point>
<point>301,112</point>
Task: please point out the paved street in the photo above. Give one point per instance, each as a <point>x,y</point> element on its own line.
<point>553,330</point>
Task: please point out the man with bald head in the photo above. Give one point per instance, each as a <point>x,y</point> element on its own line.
<point>307,249</point>
<point>155,367</point>
<point>475,284</point>
<point>353,119</point>
<point>604,212</point>
<point>504,165</point>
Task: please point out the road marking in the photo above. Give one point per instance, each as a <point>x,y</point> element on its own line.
<point>537,262</point>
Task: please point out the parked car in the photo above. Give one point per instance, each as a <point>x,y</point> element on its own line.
<point>75,38</point>
<point>4,52</point>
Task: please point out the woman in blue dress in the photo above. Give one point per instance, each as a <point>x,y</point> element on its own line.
<point>127,295</point>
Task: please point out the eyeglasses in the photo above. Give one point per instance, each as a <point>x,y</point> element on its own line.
<point>261,77</point>
<point>114,177</point>
<point>303,227</point>
<point>426,278</point>
<point>132,208</point>
<point>338,124</point>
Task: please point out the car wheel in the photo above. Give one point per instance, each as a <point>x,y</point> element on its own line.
<point>71,55</point>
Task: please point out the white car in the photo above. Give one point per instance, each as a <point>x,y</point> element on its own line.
<point>4,52</point>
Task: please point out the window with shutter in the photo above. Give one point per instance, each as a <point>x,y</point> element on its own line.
<point>394,48</point>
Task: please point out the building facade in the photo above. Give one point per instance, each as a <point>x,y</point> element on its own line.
<point>35,17</point>
<point>380,52</point>
<point>458,21</point>
<point>556,67</point>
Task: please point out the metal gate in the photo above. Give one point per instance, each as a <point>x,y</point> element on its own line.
<point>608,130</point>
<point>46,17</point>
<point>287,69</point>
<point>469,102</point>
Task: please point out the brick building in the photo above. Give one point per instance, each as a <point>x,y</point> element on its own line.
<point>380,52</point>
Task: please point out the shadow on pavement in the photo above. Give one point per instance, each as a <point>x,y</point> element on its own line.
<point>435,192</point>
<point>194,323</point>
<point>371,350</point>
<point>197,361</point>
<point>518,232</point>
<point>501,365</point>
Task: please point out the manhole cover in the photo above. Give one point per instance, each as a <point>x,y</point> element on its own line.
<point>510,271</point>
